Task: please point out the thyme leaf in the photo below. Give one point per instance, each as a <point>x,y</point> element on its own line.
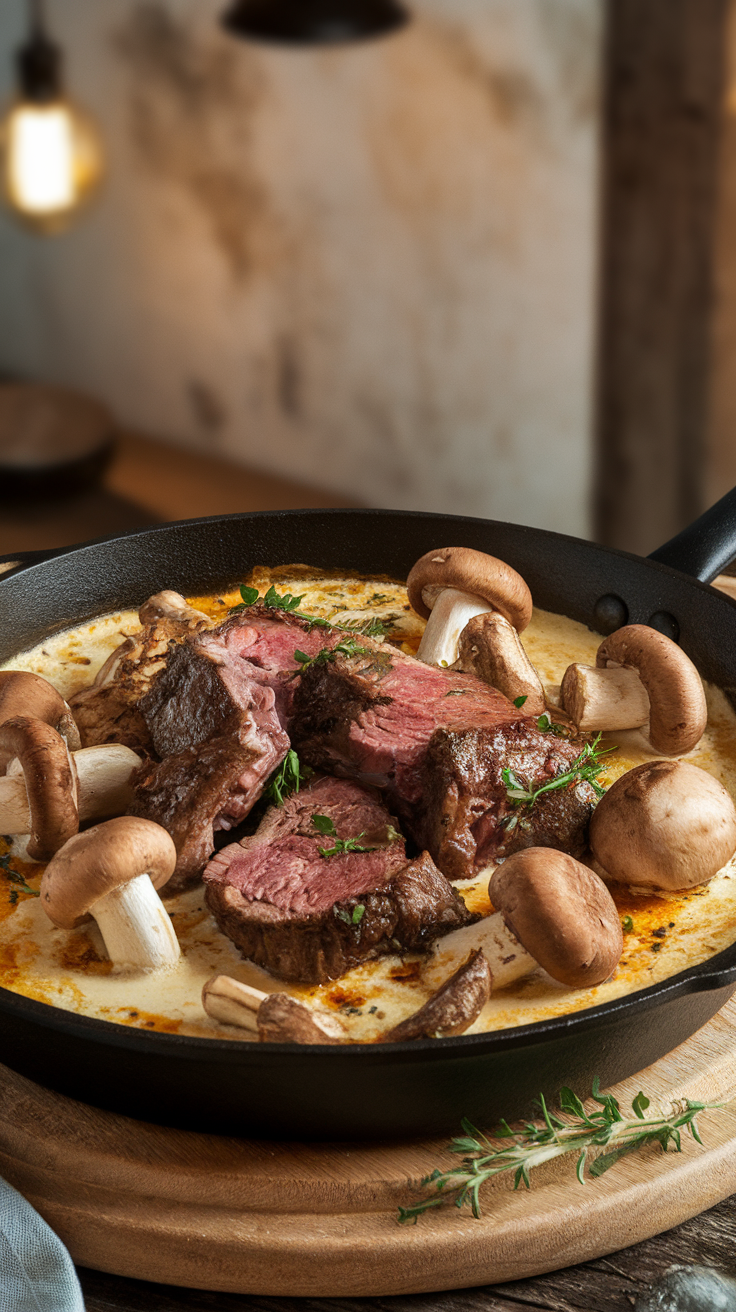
<point>348,647</point>
<point>324,825</point>
<point>576,1131</point>
<point>287,779</point>
<point>519,702</point>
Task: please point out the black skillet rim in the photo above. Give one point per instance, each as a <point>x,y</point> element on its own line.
<point>717,972</point>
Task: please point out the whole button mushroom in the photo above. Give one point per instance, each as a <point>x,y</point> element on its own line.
<point>664,824</point>
<point>640,677</point>
<point>23,693</point>
<point>49,791</point>
<point>111,872</point>
<point>49,814</point>
<point>552,912</point>
<point>451,585</point>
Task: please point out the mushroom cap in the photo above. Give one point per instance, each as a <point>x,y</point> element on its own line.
<point>677,708</point>
<point>92,864</point>
<point>50,782</point>
<point>667,824</point>
<point>470,571</point>
<point>561,912</point>
<point>27,694</point>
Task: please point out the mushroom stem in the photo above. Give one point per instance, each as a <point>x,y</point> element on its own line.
<point>274,1017</point>
<point>135,926</point>
<point>506,957</point>
<point>451,612</point>
<point>490,648</point>
<point>612,698</point>
<point>103,786</point>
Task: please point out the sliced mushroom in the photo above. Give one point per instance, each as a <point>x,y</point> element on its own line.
<point>169,605</point>
<point>111,872</point>
<point>640,677</point>
<point>23,693</point>
<point>451,585</point>
<point>98,783</point>
<point>453,1008</point>
<point>551,911</point>
<point>664,824</point>
<point>274,1017</point>
<point>490,648</point>
<point>51,815</point>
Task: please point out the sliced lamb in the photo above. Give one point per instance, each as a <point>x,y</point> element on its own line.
<point>309,918</point>
<point>437,742</point>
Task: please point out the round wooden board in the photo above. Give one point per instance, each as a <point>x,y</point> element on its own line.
<point>294,1219</point>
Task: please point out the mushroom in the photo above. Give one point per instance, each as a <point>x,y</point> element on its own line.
<point>23,693</point>
<point>49,815</point>
<point>274,1017</point>
<point>664,824</point>
<point>551,911</point>
<point>450,585</point>
<point>453,1008</point>
<point>490,648</point>
<point>168,605</point>
<point>111,872</point>
<point>96,779</point>
<point>640,676</point>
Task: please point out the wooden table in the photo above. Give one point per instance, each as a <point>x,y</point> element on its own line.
<point>150,482</point>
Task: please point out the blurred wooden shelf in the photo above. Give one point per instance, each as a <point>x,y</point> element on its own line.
<point>151,482</point>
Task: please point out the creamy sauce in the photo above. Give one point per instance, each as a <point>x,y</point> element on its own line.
<point>663,933</point>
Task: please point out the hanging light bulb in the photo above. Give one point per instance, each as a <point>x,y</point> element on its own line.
<point>50,152</point>
<point>313,22</point>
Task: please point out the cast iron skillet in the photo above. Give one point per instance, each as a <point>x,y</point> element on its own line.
<point>383,1090</point>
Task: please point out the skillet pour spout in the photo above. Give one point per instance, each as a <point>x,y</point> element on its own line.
<point>388,1090</point>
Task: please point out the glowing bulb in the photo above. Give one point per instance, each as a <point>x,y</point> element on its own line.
<point>52,162</point>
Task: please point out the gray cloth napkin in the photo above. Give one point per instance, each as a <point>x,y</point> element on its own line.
<point>36,1272</point>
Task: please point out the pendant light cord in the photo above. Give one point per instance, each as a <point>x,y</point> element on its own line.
<point>37,17</point>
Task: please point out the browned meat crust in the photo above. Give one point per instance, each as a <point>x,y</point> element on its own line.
<point>412,909</point>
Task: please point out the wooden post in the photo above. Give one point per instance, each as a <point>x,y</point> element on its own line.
<point>663,108</point>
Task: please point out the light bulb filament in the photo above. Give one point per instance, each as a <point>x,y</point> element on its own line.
<point>41,159</point>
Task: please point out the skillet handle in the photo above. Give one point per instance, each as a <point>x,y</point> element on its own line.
<point>704,548</point>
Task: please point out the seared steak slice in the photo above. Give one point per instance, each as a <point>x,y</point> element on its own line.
<point>214,721</point>
<point>437,742</point>
<point>309,918</point>
<point>466,820</point>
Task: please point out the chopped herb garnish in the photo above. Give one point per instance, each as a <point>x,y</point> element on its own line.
<point>456,692</point>
<point>585,769</point>
<point>519,702</point>
<point>545,725</point>
<point>627,924</point>
<point>287,779</point>
<point>20,884</point>
<point>324,825</point>
<point>358,913</point>
<point>348,647</point>
<point>535,1144</point>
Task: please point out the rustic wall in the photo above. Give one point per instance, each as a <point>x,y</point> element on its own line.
<point>369,267</point>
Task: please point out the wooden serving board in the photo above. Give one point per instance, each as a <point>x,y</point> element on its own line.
<point>292,1219</point>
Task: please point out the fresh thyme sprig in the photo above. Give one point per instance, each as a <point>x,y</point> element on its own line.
<point>20,884</point>
<point>324,825</point>
<point>585,769</point>
<point>348,647</point>
<point>289,777</point>
<point>545,725</point>
<point>535,1144</point>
